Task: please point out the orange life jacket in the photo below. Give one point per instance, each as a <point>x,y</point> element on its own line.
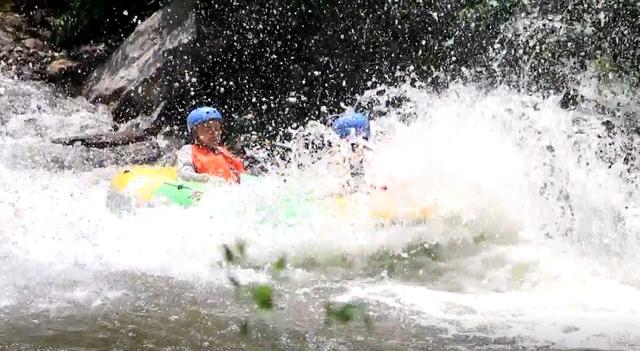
<point>218,164</point>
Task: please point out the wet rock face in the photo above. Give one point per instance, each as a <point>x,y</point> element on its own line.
<point>149,67</point>
<point>270,66</point>
<point>90,54</point>
<point>5,40</point>
<point>12,51</point>
<point>27,53</point>
<point>280,63</point>
<point>286,63</point>
<point>59,69</point>
<point>33,44</point>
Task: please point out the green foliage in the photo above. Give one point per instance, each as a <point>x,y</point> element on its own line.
<point>347,313</point>
<point>263,296</point>
<point>278,267</point>
<point>236,254</point>
<point>280,264</point>
<point>6,5</point>
<point>229,256</point>
<point>410,260</point>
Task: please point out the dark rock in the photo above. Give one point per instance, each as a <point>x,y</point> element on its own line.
<point>50,21</point>
<point>133,132</point>
<point>62,68</point>
<point>69,75</point>
<point>256,58</point>
<point>23,50</point>
<point>90,54</point>
<point>34,44</point>
<point>283,63</point>
<point>46,34</point>
<point>571,99</point>
<point>104,140</point>
<point>12,21</point>
<point>8,24</point>
<point>37,17</point>
<point>149,65</point>
<point>288,62</point>
<point>28,55</point>
<point>6,39</point>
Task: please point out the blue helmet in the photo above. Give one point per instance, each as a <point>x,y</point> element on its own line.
<point>201,115</point>
<point>352,123</point>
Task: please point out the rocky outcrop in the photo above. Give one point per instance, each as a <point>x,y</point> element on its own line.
<point>90,55</point>
<point>272,66</point>
<point>6,39</point>
<point>62,68</point>
<point>285,64</point>
<point>20,55</point>
<point>27,53</point>
<point>150,67</point>
<point>34,44</point>
<point>267,66</point>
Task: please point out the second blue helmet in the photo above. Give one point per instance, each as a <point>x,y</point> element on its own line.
<point>352,123</point>
<point>201,115</point>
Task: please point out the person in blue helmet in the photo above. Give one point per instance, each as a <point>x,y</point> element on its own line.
<point>354,128</point>
<point>206,157</point>
<point>352,125</point>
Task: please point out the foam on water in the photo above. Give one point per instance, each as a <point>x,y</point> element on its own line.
<point>570,273</point>
<point>537,235</point>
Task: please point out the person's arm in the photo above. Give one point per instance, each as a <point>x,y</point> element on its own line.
<point>186,170</point>
<point>238,165</point>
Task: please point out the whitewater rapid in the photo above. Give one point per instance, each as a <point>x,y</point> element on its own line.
<point>536,235</point>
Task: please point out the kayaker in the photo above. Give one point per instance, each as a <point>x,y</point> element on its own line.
<point>206,158</point>
<point>353,128</point>
<point>354,131</point>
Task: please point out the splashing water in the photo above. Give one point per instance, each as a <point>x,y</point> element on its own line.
<point>530,234</point>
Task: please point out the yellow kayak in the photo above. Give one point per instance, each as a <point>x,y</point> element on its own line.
<point>143,184</point>
<point>381,206</point>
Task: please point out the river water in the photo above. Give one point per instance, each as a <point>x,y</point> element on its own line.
<point>532,239</point>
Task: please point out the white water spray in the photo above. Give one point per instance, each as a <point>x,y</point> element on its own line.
<point>537,235</point>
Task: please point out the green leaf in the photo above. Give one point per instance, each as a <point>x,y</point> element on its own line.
<point>5,5</point>
<point>347,313</point>
<point>263,296</point>
<point>241,248</point>
<point>229,257</point>
<point>280,264</point>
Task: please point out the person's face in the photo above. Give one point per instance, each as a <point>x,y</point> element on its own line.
<point>357,153</point>
<point>208,134</point>
<point>357,147</point>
